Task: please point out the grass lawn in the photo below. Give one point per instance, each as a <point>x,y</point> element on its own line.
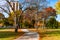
<point>9,35</point>
<point>46,34</point>
<point>50,34</point>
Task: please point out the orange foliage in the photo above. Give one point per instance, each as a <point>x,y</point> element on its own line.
<point>50,9</point>
<point>50,12</point>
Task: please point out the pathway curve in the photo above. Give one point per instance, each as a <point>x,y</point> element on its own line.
<point>29,36</point>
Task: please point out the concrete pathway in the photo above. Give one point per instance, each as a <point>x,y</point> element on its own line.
<point>29,36</point>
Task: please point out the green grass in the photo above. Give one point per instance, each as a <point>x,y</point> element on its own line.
<point>2,28</point>
<point>50,34</point>
<point>8,35</point>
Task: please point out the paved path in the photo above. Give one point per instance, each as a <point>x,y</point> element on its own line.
<point>29,36</point>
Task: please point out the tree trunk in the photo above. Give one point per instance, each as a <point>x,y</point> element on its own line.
<point>16,29</point>
<point>15,24</point>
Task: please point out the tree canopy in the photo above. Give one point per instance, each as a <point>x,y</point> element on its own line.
<point>57,7</point>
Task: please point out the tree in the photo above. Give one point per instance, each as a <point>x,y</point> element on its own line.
<point>30,14</point>
<point>57,7</point>
<point>15,17</point>
<point>58,24</point>
<point>34,7</point>
<point>10,19</point>
<point>49,12</point>
<point>45,14</point>
<point>19,17</point>
<point>52,23</point>
<point>2,19</point>
<point>6,23</point>
<point>33,10</point>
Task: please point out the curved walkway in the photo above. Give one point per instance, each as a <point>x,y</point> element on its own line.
<point>29,36</point>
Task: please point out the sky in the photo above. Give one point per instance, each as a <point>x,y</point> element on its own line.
<point>3,4</point>
<point>51,3</point>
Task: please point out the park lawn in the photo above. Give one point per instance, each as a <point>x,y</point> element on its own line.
<point>45,34</point>
<point>50,34</point>
<point>9,35</point>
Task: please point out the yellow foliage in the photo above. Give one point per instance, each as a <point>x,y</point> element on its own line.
<point>11,17</point>
<point>11,13</point>
<point>18,12</point>
<point>58,12</point>
<point>57,7</point>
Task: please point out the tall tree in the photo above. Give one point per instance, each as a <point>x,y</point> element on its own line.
<point>48,13</point>
<point>37,5</point>
<point>15,15</point>
<point>30,14</point>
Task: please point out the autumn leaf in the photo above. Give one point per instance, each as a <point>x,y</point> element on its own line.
<point>57,7</point>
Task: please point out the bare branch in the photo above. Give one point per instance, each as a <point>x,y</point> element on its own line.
<point>4,10</point>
